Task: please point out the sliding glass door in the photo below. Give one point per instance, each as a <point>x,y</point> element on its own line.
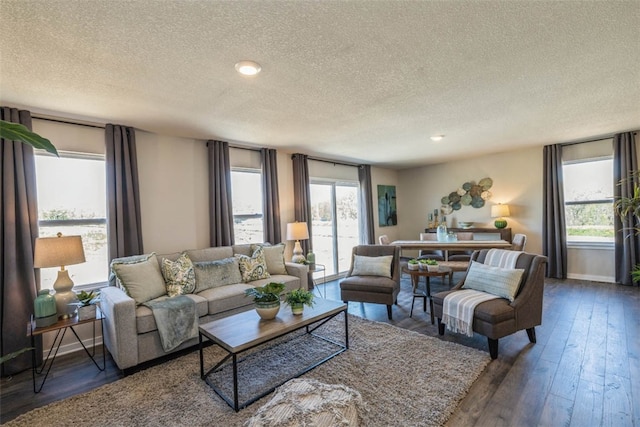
<point>334,210</point>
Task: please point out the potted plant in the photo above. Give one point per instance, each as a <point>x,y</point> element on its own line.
<point>297,299</point>
<point>423,264</point>
<point>266,299</point>
<point>87,304</point>
<point>412,264</point>
<point>432,264</point>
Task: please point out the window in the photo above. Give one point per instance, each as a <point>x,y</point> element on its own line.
<point>246,189</point>
<point>72,201</point>
<point>334,212</point>
<point>588,195</point>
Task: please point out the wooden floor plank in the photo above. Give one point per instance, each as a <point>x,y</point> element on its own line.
<point>528,385</point>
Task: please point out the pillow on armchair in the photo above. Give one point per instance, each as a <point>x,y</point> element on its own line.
<point>372,265</point>
<point>502,282</point>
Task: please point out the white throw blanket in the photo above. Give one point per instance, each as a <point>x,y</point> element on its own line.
<point>502,258</point>
<point>458,307</point>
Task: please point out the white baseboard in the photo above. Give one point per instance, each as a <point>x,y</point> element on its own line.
<point>73,347</point>
<point>592,278</point>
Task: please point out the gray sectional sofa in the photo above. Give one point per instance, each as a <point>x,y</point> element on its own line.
<point>130,331</point>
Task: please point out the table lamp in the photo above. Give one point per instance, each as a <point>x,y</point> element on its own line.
<point>60,251</point>
<point>297,231</point>
<point>500,211</point>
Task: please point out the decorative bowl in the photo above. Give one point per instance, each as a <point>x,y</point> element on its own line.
<point>465,224</point>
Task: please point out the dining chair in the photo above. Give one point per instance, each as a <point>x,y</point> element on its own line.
<point>518,242</point>
<point>430,253</point>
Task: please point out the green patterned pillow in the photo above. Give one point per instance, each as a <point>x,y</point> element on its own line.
<point>179,275</point>
<point>254,267</point>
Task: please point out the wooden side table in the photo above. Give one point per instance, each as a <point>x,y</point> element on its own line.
<point>61,327</point>
<point>415,279</point>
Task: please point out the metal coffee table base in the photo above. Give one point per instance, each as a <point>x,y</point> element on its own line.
<point>234,402</point>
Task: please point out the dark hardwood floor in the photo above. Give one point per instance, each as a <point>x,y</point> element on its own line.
<point>583,371</point>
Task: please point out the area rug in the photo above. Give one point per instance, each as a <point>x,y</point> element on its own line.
<point>405,378</point>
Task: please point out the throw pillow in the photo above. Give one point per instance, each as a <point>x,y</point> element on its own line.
<point>179,275</point>
<point>274,257</point>
<point>143,280</point>
<point>372,265</point>
<point>254,267</point>
<point>211,274</point>
<point>497,281</point>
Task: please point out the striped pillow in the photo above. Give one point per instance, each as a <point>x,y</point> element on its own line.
<point>497,281</point>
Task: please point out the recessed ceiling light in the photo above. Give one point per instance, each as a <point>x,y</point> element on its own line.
<point>248,68</point>
<point>437,137</point>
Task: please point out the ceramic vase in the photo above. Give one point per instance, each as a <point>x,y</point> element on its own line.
<point>297,308</point>
<point>268,310</point>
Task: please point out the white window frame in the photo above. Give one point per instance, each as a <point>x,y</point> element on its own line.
<point>589,245</point>
<point>82,221</point>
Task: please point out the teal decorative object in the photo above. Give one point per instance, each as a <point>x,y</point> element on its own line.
<point>44,309</point>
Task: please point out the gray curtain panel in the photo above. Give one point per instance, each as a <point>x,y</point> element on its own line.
<point>367,232</point>
<point>270,196</point>
<point>627,242</point>
<point>18,231</point>
<point>124,225</point>
<point>554,236</point>
<point>220,207</point>
<point>302,195</point>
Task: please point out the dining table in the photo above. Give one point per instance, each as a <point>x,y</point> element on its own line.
<point>456,245</point>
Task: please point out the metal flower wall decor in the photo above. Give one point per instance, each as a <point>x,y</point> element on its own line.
<point>469,194</point>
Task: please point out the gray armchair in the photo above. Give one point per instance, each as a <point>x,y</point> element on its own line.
<point>375,289</point>
<point>498,318</point>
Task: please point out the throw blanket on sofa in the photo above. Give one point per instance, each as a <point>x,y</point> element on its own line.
<point>458,308</point>
<point>176,319</point>
<point>502,258</point>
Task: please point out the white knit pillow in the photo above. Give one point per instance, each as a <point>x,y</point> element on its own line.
<point>372,265</point>
<point>498,281</point>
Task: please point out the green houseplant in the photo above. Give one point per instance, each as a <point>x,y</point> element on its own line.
<point>630,205</point>
<point>266,299</point>
<point>413,264</point>
<point>297,299</point>
<point>17,132</point>
<point>432,264</point>
<point>87,304</point>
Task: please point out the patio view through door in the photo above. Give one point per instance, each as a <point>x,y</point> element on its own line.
<point>334,214</point>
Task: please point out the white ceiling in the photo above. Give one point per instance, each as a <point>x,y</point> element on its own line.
<point>362,81</point>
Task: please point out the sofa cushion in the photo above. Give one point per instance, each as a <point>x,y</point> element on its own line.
<point>372,265</point>
<point>244,249</point>
<point>502,282</point>
<point>254,267</point>
<point>145,321</point>
<point>274,257</point>
<point>373,284</point>
<point>142,280</point>
<point>225,298</point>
<point>210,254</point>
<point>210,274</point>
<point>290,282</point>
<point>179,275</point>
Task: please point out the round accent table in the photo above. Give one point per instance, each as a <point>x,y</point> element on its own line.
<point>442,272</point>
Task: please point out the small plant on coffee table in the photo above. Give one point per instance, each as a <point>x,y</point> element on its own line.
<point>266,299</point>
<point>413,264</point>
<point>298,298</point>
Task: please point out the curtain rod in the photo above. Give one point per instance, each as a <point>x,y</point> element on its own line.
<point>334,162</point>
<point>49,119</point>
<point>600,138</point>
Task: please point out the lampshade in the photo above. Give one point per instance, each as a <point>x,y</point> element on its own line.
<point>297,231</point>
<point>58,251</point>
<point>499,211</point>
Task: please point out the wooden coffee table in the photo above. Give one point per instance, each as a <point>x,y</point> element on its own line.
<point>415,279</point>
<point>244,331</point>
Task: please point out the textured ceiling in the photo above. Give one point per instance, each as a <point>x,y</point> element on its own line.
<point>365,81</point>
